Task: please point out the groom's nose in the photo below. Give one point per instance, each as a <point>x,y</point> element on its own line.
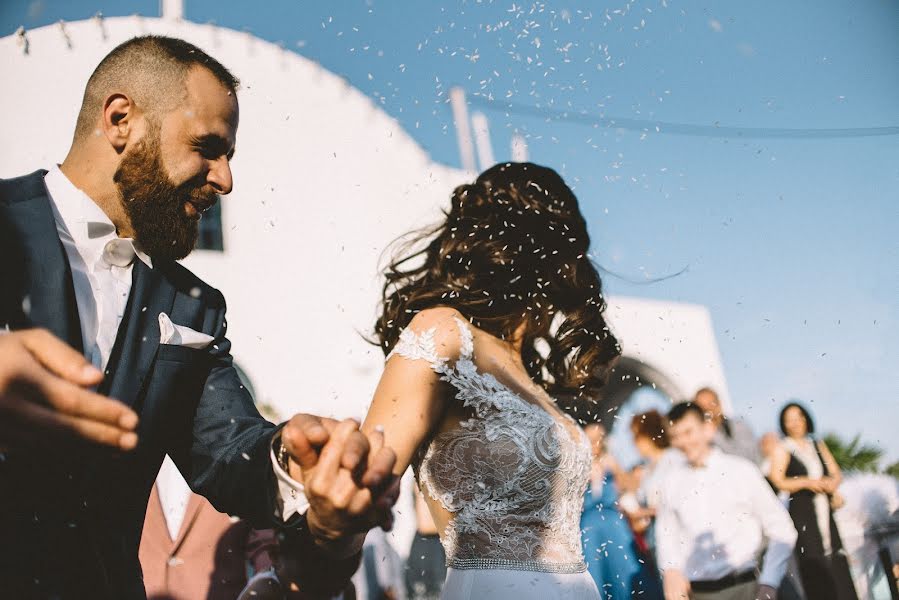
<point>219,176</point>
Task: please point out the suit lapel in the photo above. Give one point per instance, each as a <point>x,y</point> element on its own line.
<point>137,340</point>
<point>46,288</point>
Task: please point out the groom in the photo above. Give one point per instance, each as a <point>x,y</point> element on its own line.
<point>98,308</point>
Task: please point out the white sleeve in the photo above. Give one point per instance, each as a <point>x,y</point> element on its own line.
<point>670,543</point>
<point>290,497</point>
<point>777,526</point>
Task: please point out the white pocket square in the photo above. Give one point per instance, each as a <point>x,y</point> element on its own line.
<point>179,335</point>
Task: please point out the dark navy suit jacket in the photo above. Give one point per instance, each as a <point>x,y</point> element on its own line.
<point>70,521</point>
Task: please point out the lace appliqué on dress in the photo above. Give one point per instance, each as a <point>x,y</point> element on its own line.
<point>513,476</point>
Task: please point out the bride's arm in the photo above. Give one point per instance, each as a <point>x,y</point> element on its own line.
<point>408,402</point>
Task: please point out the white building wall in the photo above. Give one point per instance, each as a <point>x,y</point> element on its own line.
<point>673,338</point>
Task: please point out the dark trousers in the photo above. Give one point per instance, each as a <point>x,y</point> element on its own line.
<point>827,577</point>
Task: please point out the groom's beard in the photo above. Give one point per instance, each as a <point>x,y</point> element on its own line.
<point>155,205</point>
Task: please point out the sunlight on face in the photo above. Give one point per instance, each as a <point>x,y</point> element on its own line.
<point>198,139</point>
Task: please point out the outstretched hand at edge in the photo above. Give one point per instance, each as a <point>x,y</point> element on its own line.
<point>44,400</point>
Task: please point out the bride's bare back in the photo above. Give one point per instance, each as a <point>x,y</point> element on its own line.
<point>503,470</point>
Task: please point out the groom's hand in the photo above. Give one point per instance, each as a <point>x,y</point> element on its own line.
<point>43,400</point>
<point>347,477</point>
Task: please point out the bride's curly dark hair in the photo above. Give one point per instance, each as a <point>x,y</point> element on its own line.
<point>512,250</point>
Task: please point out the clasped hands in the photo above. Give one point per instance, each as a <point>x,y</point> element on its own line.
<point>347,478</point>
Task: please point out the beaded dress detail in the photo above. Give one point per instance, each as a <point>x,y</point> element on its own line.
<point>512,476</point>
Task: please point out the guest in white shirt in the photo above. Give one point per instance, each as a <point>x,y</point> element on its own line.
<point>715,513</point>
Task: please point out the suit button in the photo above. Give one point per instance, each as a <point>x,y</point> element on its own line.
<point>175,561</point>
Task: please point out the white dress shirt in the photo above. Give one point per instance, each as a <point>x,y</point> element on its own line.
<point>102,264</point>
<point>712,521</point>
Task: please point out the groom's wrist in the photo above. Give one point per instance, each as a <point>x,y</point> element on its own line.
<point>290,497</point>
<point>282,458</point>
<point>280,452</point>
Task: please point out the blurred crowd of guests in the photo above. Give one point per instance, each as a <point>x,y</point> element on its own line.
<point>710,512</point>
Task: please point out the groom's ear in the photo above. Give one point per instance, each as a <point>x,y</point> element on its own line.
<point>119,121</point>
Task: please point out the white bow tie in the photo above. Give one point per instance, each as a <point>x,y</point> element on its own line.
<point>119,252</point>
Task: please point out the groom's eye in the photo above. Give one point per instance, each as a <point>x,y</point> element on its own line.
<point>212,147</point>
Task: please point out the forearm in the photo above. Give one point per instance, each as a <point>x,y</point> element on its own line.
<point>236,477</point>
<point>775,562</point>
<point>223,451</point>
<point>792,484</point>
<point>406,413</point>
<point>675,584</point>
<point>778,528</point>
<point>833,469</point>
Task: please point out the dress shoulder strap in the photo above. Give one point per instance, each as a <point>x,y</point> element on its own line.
<point>428,344</point>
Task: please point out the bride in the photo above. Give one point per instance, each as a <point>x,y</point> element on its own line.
<point>468,398</point>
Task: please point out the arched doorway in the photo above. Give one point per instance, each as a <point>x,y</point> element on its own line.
<point>628,377</point>
<point>634,387</point>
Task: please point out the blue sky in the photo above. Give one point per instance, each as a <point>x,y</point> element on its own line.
<point>787,236</point>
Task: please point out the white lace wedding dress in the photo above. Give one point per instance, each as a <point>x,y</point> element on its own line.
<point>513,478</point>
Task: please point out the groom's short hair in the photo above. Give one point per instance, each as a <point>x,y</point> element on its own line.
<point>152,70</point>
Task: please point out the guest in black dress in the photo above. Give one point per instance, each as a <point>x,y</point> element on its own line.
<point>805,468</point>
